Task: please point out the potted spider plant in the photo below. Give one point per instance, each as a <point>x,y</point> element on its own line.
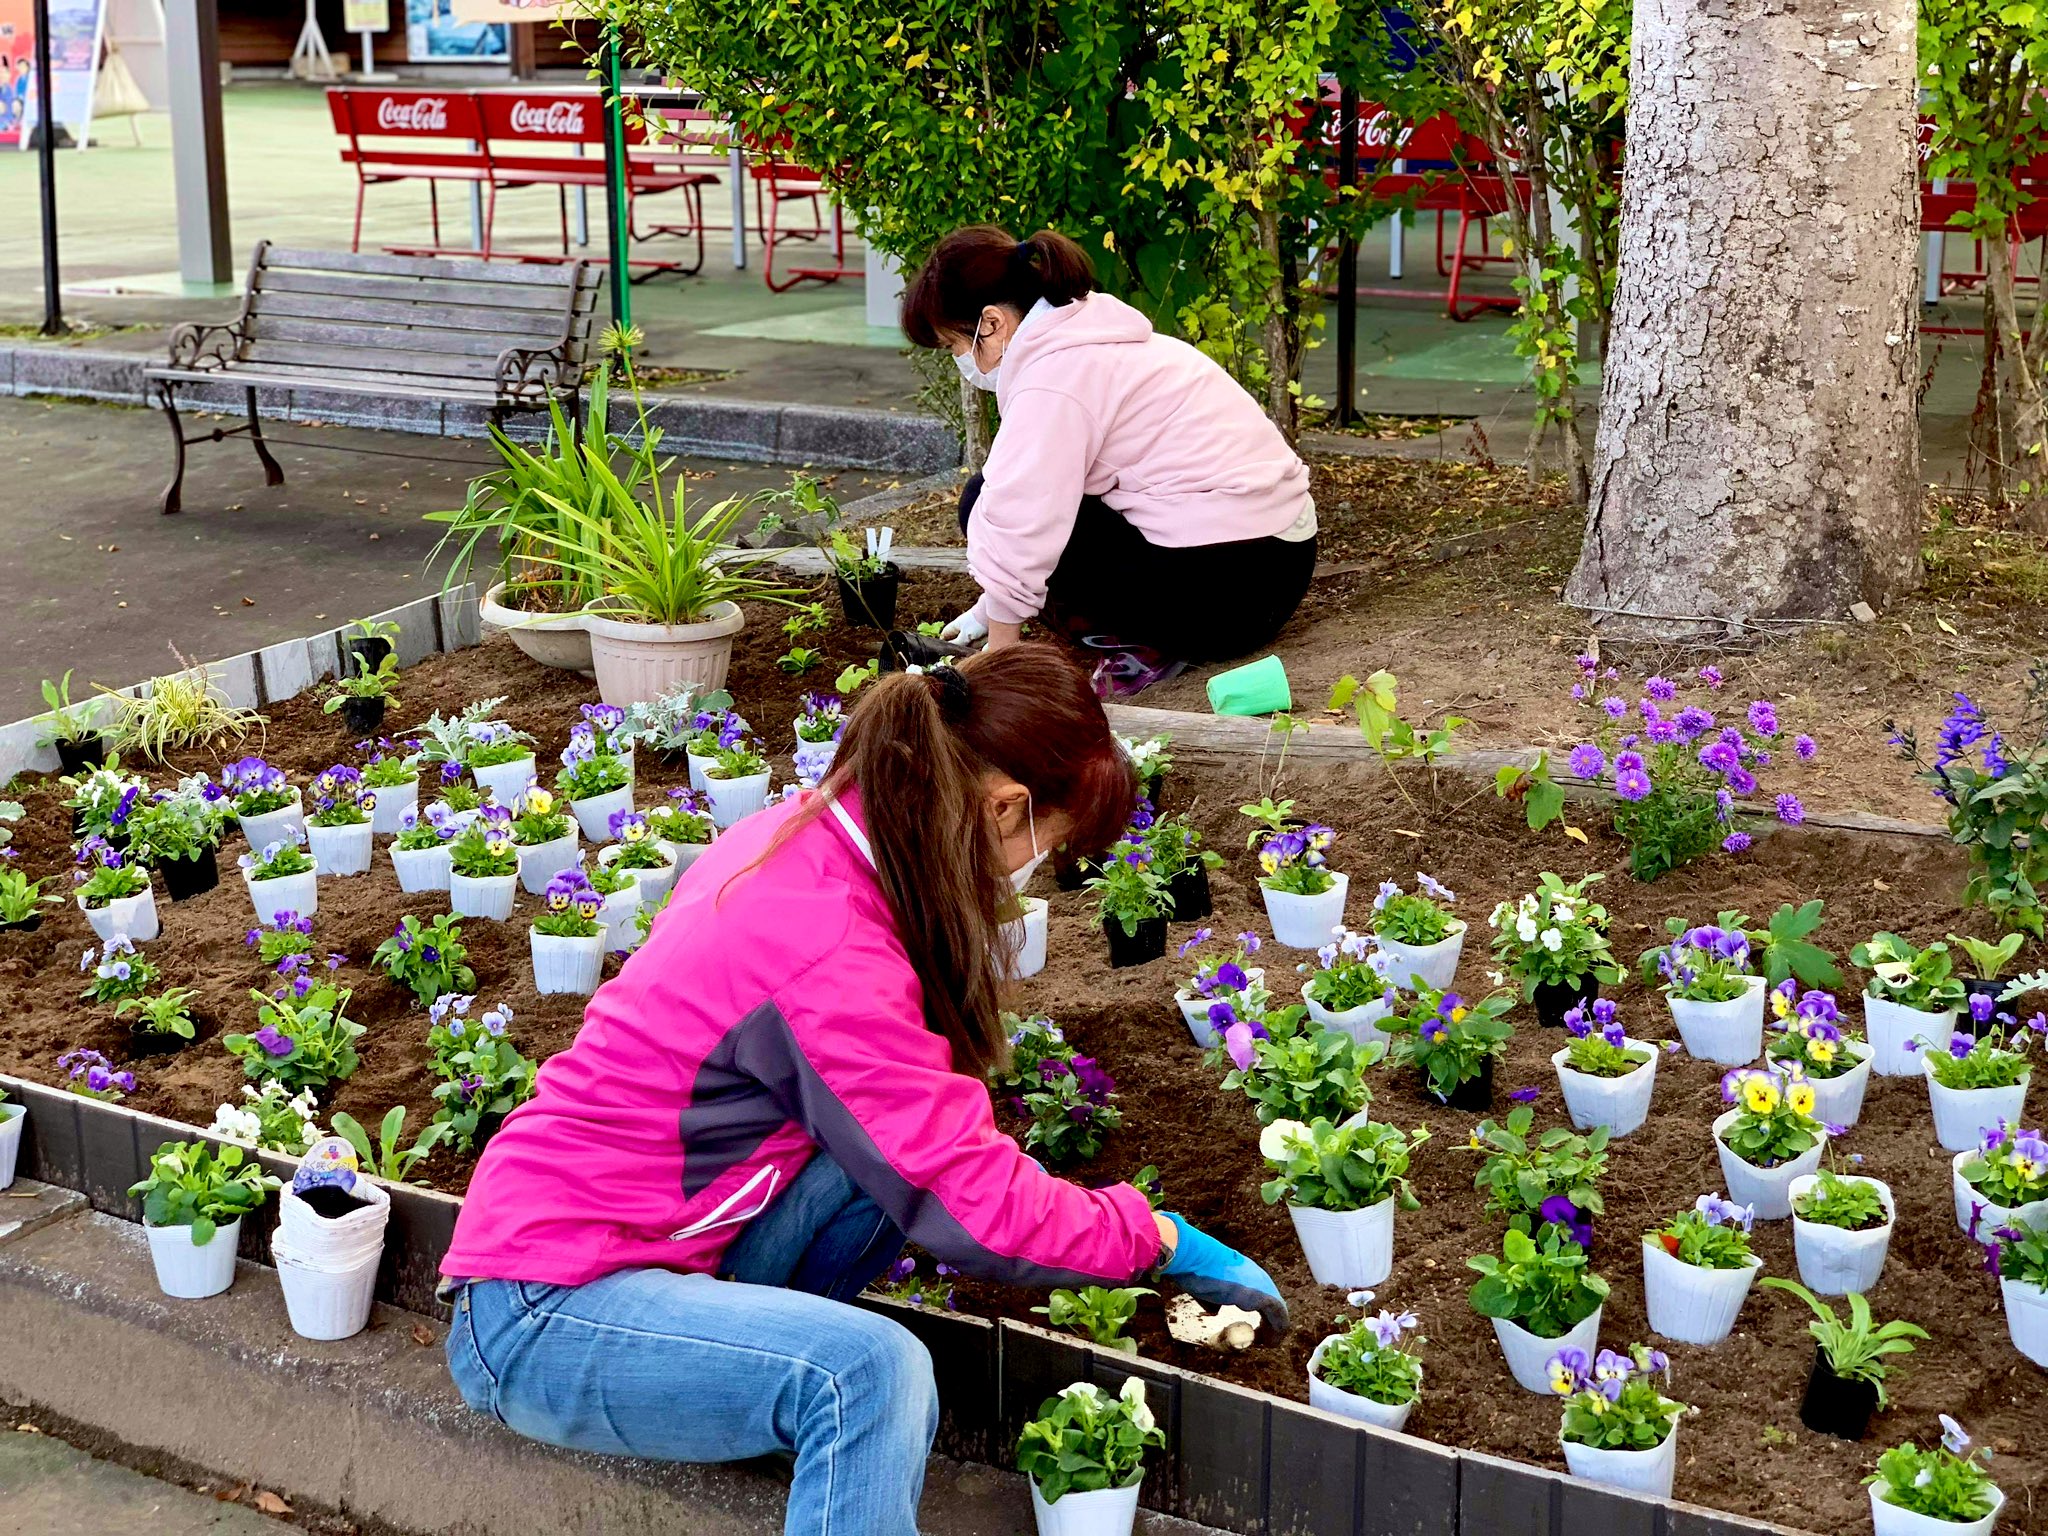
<point>72,729</point>
<point>1846,1384</point>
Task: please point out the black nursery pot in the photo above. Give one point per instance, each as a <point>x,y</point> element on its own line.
<point>1189,893</point>
<point>368,654</point>
<point>77,756</point>
<point>870,603</point>
<point>155,1042</point>
<point>1475,1092</point>
<point>27,924</point>
<point>487,1126</point>
<point>1555,999</point>
<point>1148,943</point>
<point>195,876</point>
<point>1068,872</point>
<point>331,1204</point>
<point>1836,1405</point>
<point>1966,1022</point>
<point>362,716</point>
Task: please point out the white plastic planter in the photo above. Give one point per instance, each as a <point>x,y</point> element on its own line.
<point>1839,1100</point>
<point>12,1118</point>
<point>1892,1027</point>
<point>395,802</point>
<point>1351,1405</point>
<point>565,965</point>
<point>298,893</point>
<point>485,896</point>
<point>1963,1115</point>
<point>340,850</point>
<point>1730,1034</point>
<point>189,1271</point>
<point>1348,1248</point>
<point>1637,1471</point>
<point>1528,1354</point>
<point>1832,1260</point>
<point>1307,922</point>
<point>700,770</point>
<point>326,1303</point>
<point>505,782</point>
<point>594,815</point>
<point>734,799</point>
<point>278,826</point>
<point>1768,1189</point>
<point>686,854</point>
<point>541,862</point>
<point>327,1266</point>
<point>1689,1303</point>
<point>1436,964</point>
<point>1105,1512</point>
<point>650,885</point>
<point>2026,1317</point>
<point>619,915</point>
<point>133,915</point>
<point>1890,1520</point>
<point>421,869</point>
<point>1621,1104</point>
<point>1194,1008</point>
<point>1029,935</point>
<point>1361,1023</point>
<point>1991,1216</point>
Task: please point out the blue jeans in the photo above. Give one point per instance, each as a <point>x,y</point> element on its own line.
<point>676,1367</point>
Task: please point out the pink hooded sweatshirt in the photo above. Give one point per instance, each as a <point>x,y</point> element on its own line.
<point>766,1017</point>
<point>1095,402</point>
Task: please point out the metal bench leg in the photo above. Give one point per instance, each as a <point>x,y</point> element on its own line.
<point>173,498</point>
<point>272,473</point>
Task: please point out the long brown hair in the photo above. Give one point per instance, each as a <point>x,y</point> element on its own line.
<point>917,746</point>
<point>983,264</point>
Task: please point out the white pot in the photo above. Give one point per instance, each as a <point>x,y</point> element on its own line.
<point>191,1272</point>
<point>12,1118</point>
<point>420,869</point>
<point>620,914</point>
<point>1730,1034</point>
<point>638,663</point>
<point>395,802</point>
<point>1029,936</point>
<point>594,815</point>
<point>1194,1012</point>
<point>734,799</point>
<point>324,1303</point>
<point>1637,1471</point>
<point>813,759</point>
<point>686,854</point>
<point>485,896</point>
<point>1988,1215</point>
<point>1621,1104</point>
<point>1891,1027</point>
<point>1361,1023</point>
<point>1528,1355</point>
<point>650,885</point>
<point>1963,1115</point>
<point>700,770</point>
<point>505,782</point>
<point>1105,1512</point>
<point>567,965</point>
<point>1348,1248</point>
<point>277,826</point>
<point>2026,1316</point>
<point>1351,1405</point>
<point>1307,922</point>
<point>1839,1100</point>
<point>1890,1520</point>
<point>1768,1189</point>
<point>298,893</point>
<point>541,862</point>
<point>1832,1260</point>
<point>340,850</point>
<point>1435,964</point>
<point>553,640</point>
<point>133,915</point>
<point>1690,1303</point>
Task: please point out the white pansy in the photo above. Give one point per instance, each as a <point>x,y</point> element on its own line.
<point>1526,927</point>
<point>1553,940</point>
<point>1276,1140</point>
<point>1133,1396</point>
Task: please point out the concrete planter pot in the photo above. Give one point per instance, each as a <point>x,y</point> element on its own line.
<point>1689,1303</point>
<point>193,1271</point>
<point>1361,1023</point>
<point>1638,1471</point>
<point>1435,964</point>
<point>486,896</point>
<point>637,663</point>
<point>1621,1104</point>
<point>1347,1248</point>
<point>1351,1405</point>
<point>594,815</point>
<point>133,915</point>
<point>553,640</point>
<point>567,965</point>
<point>541,862</point>
<point>1834,1261</point>
<point>1963,1115</point>
<point>1306,922</point>
<point>1891,1027</point>
<point>298,893</point>
<point>1528,1354</point>
<point>340,850</point>
<point>420,869</point>
<point>1729,1034</point>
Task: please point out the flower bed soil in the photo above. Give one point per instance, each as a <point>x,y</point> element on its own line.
<point>1745,1451</point>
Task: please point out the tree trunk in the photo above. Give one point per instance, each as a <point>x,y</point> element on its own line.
<point>2026,395</point>
<point>1758,454</point>
<point>1281,401</point>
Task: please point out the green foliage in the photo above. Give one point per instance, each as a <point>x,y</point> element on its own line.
<point>178,712</point>
<point>1832,1200</point>
<point>1101,1312</point>
<point>1377,701</point>
<point>21,896</point>
<point>1858,1348</point>
<point>1545,1287</point>
<point>359,684</point>
<point>1937,1482</point>
<point>1694,1237</point>
<point>390,1159</point>
<point>1304,1074</point>
<point>1084,1440</point>
<point>1448,1040</point>
<point>1128,887</point>
<point>191,1185</point>
<point>168,1013</point>
<point>426,957</point>
<point>1555,934</point>
<point>1346,1167</point>
<point>65,721</point>
<point>1357,1362</point>
<point>1913,978</point>
<point>798,660</point>
<point>1540,796</point>
<point>1519,1174</point>
<point>317,1036</point>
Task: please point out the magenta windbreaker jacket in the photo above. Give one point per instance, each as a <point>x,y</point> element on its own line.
<point>771,1014</point>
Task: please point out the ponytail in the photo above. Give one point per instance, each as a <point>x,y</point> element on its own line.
<point>982,264</point>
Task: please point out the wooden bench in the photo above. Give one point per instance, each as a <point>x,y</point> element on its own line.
<point>508,338</point>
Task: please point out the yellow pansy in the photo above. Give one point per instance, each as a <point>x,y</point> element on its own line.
<point>1759,1095</point>
<point>538,801</point>
<point>1801,1098</point>
<point>1562,1381</point>
<point>1822,1051</point>
<point>1780,1007</point>
<point>1458,1014</point>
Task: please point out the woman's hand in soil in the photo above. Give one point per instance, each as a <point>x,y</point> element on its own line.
<point>966,629</point>
<point>1218,1276</point>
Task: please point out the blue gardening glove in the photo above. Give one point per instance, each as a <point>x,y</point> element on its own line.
<point>1218,1276</point>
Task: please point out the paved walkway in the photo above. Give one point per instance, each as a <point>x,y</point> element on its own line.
<point>48,1488</point>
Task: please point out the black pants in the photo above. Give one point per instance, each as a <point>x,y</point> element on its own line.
<point>1208,602</point>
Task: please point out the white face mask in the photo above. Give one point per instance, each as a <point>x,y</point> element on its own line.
<point>1021,877</point>
<point>970,369</point>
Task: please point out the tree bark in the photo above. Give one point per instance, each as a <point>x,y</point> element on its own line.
<point>1758,454</point>
<point>2026,397</point>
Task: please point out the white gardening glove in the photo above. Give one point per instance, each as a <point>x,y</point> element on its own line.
<point>968,629</point>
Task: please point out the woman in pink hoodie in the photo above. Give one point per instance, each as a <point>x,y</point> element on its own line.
<point>787,1081</point>
<point>1134,488</point>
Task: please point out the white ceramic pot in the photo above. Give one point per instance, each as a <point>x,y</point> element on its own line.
<point>594,815</point>
<point>1029,935</point>
<point>1105,1512</point>
<point>541,862</point>
<point>1963,1115</point>
<point>1768,1189</point>
<point>734,799</point>
<point>2026,1316</point>
<point>1435,964</point>
<point>638,663</point>
<point>505,782</point>
<point>12,1118</point>
<point>298,893</point>
<point>553,640</point>
<point>1307,922</point>
<point>1689,1303</point>
<point>650,885</point>
<point>1351,1405</point>
<point>1891,1027</point>
<point>567,965</point>
<point>420,869</point>
<point>1890,1520</point>
<point>1621,1104</point>
<point>1979,1216</point>
<point>1528,1355</point>
<point>278,826</point>
<point>1348,1248</point>
<point>485,896</point>
<point>1361,1023</point>
<point>1832,1260</point>
<point>133,915</point>
<point>325,1303</point>
<point>189,1271</point>
<point>620,914</point>
<point>1730,1034</point>
<point>1637,1471</point>
<point>340,850</point>
<point>395,802</point>
<point>1839,1100</point>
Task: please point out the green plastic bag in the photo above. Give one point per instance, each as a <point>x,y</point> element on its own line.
<point>1256,688</point>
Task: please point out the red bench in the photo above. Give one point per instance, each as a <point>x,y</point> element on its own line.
<point>411,135</point>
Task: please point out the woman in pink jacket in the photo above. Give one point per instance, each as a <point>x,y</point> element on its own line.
<point>786,1081</point>
<point>1133,487</point>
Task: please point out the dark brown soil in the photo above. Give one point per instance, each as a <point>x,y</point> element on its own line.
<point>1745,1451</point>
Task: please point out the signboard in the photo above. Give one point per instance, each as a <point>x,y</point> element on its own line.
<point>435,34</point>
<point>366,15</point>
<point>75,30</point>
<point>513,10</point>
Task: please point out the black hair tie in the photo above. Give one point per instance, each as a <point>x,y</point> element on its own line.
<point>955,693</point>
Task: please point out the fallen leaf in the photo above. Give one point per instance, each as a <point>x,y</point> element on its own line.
<point>271,1504</point>
<point>1404,832</point>
<point>422,1335</point>
<point>27,1429</point>
<point>1944,626</point>
<point>1577,834</point>
<point>248,602</point>
<point>1879,885</point>
<point>375,537</point>
<point>233,1495</point>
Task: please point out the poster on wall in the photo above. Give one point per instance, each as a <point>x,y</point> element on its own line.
<point>435,34</point>
<point>366,15</point>
<point>514,10</point>
<point>75,31</point>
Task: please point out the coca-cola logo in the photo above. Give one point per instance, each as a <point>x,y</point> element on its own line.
<point>1385,131</point>
<point>422,114</point>
<point>556,118</point>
